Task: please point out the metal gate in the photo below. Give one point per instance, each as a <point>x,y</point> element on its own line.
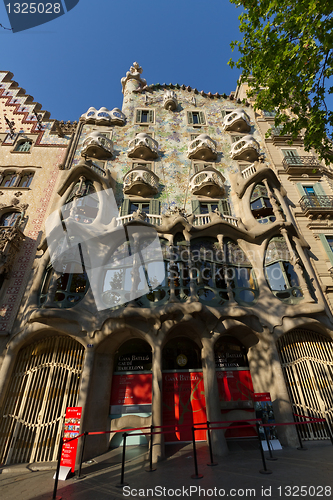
<point>44,382</point>
<point>307,362</point>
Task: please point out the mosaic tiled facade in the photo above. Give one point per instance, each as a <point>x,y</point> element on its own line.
<point>245,302</point>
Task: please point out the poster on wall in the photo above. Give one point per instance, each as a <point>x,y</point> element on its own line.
<point>236,393</point>
<point>131,392</point>
<point>184,403</point>
<point>264,410</point>
<point>71,429</point>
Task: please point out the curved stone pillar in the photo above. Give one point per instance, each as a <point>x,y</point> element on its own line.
<point>267,376</point>
<point>157,410</point>
<point>6,371</point>
<point>213,409</point>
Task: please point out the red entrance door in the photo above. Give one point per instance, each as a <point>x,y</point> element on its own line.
<point>184,405</point>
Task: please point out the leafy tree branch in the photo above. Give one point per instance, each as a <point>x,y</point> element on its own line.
<point>287,58</point>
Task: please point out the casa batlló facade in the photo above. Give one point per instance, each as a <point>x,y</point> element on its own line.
<point>243,304</point>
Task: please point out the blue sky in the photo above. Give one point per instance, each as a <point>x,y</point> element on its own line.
<point>77,60</point>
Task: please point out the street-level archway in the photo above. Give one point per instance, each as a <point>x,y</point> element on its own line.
<point>307,362</point>
<point>184,401</point>
<point>45,380</point>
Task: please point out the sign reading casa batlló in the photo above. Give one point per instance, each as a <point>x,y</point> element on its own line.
<point>25,15</point>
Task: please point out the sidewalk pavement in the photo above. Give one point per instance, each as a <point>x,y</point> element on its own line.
<point>295,474</point>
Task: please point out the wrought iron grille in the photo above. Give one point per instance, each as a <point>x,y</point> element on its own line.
<point>307,362</point>
<point>314,202</point>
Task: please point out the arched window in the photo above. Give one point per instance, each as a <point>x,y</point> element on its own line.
<point>280,273</point>
<point>134,355</point>
<point>181,353</point>
<point>79,205</point>
<point>9,179</point>
<point>239,273</point>
<point>67,288</point>
<point>26,180</point>
<point>230,353</point>
<point>128,279</point>
<point>260,204</point>
<point>208,270</point>
<point>23,146</point>
<point>9,219</point>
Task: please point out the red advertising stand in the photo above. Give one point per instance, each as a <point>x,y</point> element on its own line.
<point>71,430</point>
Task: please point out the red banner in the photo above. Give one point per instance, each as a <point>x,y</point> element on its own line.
<point>131,389</point>
<point>71,429</point>
<point>184,403</point>
<point>234,386</point>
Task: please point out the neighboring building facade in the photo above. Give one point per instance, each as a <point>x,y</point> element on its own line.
<point>244,304</point>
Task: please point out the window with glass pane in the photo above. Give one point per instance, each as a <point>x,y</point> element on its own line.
<point>239,272</point>
<point>9,180</point>
<point>67,288</point>
<point>79,205</point>
<point>135,206</point>
<point>23,146</point>
<point>280,273</point>
<point>26,180</point>
<point>208,271</point>
<point>205,208</point>
<point>9,219</point>
<point>260,204</point>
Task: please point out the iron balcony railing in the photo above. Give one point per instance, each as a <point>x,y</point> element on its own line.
<point>306,161</point>
<point>316,203</point>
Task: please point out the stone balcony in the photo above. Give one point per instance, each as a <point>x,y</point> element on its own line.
<point>301,165</point>
<point>237,121</point>
<point>207,182</point>
<point>202,148</point>
<point>247,148</point>
<point>141,181</point>
<point>170,100</point>
<point>199,220</point>
<point>143,147</point>
<point>317,206</point>
<point>103,116</point>
<point>97,146</point>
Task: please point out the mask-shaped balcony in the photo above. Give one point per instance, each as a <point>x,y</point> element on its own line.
<point>97,146</point>
<point>202,148</point>
<point>141,181</point>
<point>103,116</point>
<point>170,100</point>
<point>207,182</point>
<point>143,147</point>
<point>246,149</point>
<point>237,121</point>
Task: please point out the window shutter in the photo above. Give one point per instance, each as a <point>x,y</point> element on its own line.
<point>224,207</point>
<point>290,152</point>
<point>125,207</point>
<point>189,117</point>
<point>202,120</point>
<point>151,116</point>
<point>318,189</point>
<point>138,115</point>
<point>154,207</point>
<point>300,188</point>
<point>326,247</point>
<point>195,207</point>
